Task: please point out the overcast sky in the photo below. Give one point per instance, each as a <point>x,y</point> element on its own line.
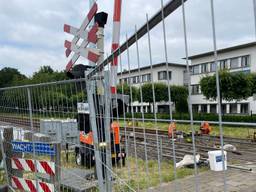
<point>32,30</point>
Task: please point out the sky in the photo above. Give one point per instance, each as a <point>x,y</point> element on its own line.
<point>32,30</point>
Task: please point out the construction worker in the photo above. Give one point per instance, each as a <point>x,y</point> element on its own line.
<point>205,128</point>
<point>115,130</point>
<point>172,130</point>
<point>86,138</point>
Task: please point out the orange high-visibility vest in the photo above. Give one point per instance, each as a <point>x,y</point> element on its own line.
<point>115,129</point>
<point>206,128</point>
<point>86,138</point>
<point>171,129</point>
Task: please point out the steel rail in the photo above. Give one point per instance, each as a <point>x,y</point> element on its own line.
<point>169,8</point>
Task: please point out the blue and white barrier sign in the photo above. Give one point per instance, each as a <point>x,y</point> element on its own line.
<point>27,147</point>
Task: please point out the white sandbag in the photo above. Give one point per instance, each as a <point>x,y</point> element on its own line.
<point>187,160</point>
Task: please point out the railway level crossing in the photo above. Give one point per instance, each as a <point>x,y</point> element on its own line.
<point>101,94</point>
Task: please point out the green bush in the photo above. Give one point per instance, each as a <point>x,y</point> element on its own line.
<point>198,117</point>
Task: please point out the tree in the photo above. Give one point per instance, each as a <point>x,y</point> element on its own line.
<point>45,69</point>
<point>233,86</point>
<point>125,89</point>
<point>47,74</point>
<point>253,82</point>
<point>179,95</point>
<point>9,76</point>
<point>161,92</point>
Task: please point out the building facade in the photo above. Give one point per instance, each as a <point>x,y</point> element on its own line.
<point>158,74</point>
<point>240,58</point>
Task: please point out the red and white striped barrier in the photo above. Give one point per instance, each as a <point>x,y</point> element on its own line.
<point>115,43</point>
<point>85,23</point>
<point>90,53</point>
<point>45,167</point>
<point>30,185</point>
<point>89,36</point>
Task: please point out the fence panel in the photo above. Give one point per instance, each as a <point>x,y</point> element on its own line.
<point>121,142</point>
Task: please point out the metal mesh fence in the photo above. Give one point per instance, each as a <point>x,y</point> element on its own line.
<point>119,142</point>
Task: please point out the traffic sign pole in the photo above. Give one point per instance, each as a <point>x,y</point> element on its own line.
<point>115,43</point>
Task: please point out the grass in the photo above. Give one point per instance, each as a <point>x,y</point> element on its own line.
<point>133,174</point>
<point>229,131</point>
<point>136,177</point>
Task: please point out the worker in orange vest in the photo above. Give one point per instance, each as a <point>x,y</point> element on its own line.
<point>205,128</point>
<point>172,130</point>
<point>115,130</point>
<point>86,138</point>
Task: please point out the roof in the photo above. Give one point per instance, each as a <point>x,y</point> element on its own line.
<point>154,66</point>
<point>227,49</point>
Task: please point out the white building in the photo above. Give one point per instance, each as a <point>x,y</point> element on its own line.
<point>176,76</point>
<point>235,59</point>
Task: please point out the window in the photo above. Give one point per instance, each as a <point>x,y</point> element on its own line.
<point>195,69</point>
<point>125,80</point>
<point>245,61</point>
<point>246,71</point>
<point>130,80</point>
<point>233,108</point>
<point>149,77</point>
<point>195,108</point>
<point>213,108</point>
<point>146,78</point>
<point>234,63</point>
<point>138,79</point>
<point>162,75</point>
<point>213,67</point>
<point>144,109</point>
<point>149,109</point>
<point>224,108</point>
<point>134,79</point>
<point>203,108</point>
<point>223,64</point>
<point>163,108</point>
<point>244,108</point>
<point>204,68</point>
<point>195,89</point>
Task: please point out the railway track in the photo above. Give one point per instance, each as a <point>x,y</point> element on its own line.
<point>246,147</point>
<point>165,133</point>
<point>145,139</point>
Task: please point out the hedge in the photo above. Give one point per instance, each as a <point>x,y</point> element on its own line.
<point>198,117</point>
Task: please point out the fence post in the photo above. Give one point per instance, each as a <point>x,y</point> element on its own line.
<point>90,87</point>
<point>161,148</point>
<point>107,103</point>
<point>56,179</point>
<point>33,136</point>
<point>4,159</point>
<point>6,143</point>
